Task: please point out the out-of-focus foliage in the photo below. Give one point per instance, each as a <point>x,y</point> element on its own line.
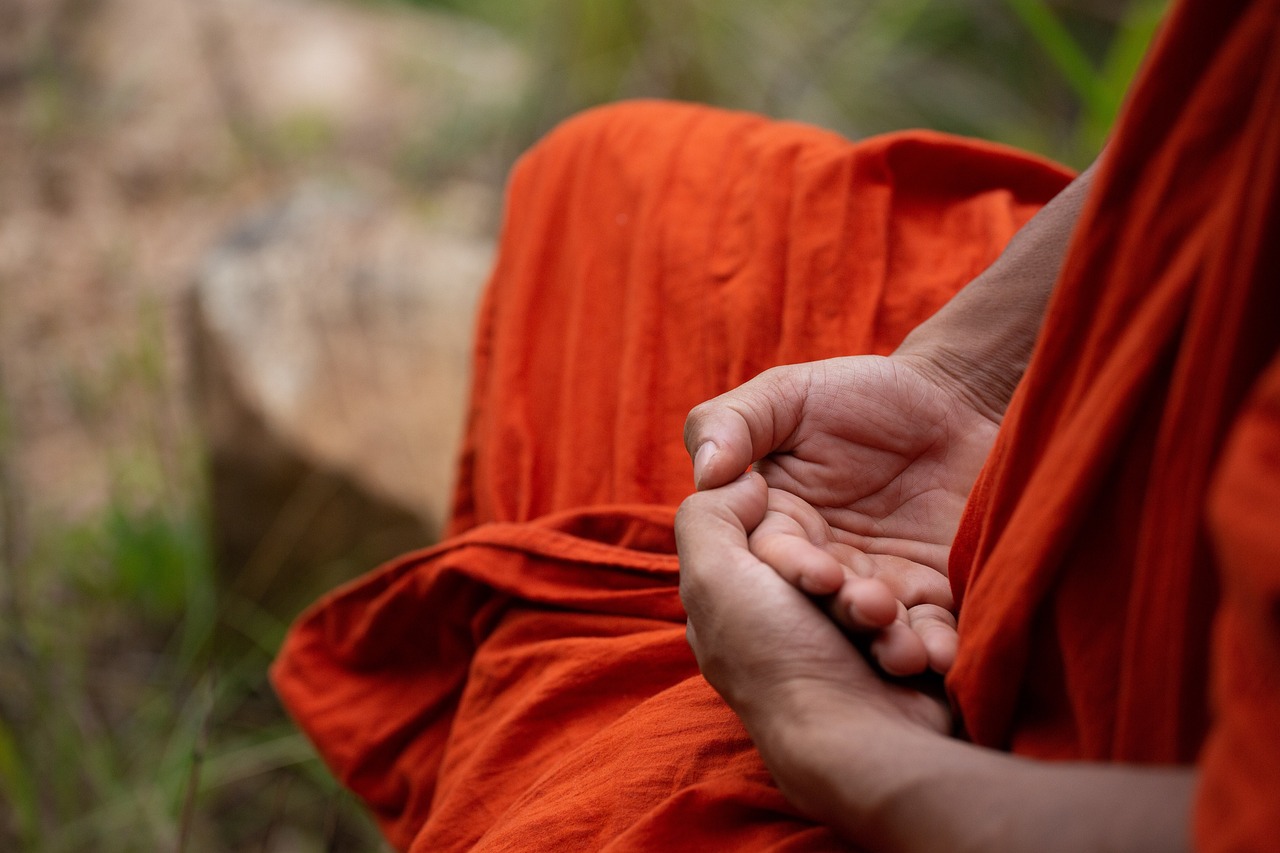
<point>134,709</point>
<point>1048,75</point>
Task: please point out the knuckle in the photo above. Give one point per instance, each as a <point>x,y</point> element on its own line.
<point>696,415</point>
<point>687,513</point>
<point>781,380</point>
<point>699,416</point>
<point>931,616</point>
<point>775,374</point>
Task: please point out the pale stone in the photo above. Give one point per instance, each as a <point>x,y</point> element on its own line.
<point>344,325</point>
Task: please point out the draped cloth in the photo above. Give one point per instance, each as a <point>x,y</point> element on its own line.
<point>525,685</point>
<point>1086,572</point>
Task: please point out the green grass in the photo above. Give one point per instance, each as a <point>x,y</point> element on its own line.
<point>124,726</point>
<point>1049,76</point>
<point>134,709</point>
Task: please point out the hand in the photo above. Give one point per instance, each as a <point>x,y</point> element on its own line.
<point>869,593</point>
<point>758,640</point>
<point>870,757</point>
<point>871,460</point>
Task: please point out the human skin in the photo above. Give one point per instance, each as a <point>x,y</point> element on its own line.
<point>862,466</point>
<point>871,459</point>
<point>868,482</point>
<point>871,757</point>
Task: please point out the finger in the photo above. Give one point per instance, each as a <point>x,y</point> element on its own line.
<point>726,434</point>
<point>780,543</point>
<point>910,582</point>
<point>789,540</point>
<point>936,628</point>
<point>898,649</point>
<point>931,554</point>
<point>863,605</point>
<point>711,531</point>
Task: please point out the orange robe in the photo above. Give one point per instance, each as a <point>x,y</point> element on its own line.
<point>526,685</point>
<point>1085,568</point>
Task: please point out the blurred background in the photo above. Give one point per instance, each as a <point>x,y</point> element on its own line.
<point>240,246</point>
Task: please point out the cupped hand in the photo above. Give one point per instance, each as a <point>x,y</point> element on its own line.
<point>870,460</point>
<point>761,643</point>
<point>902,604</point>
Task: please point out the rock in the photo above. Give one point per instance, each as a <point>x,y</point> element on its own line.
<point>333,335</point>
<point>133,131</point>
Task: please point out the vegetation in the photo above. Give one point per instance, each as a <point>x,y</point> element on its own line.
<point>1047,76</point>
<point>128,720</point>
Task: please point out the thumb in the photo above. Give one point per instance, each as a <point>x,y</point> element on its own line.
<point>727,433</point>
<point>711,533</point>
<point>711,539</point>
<point>726,514</point>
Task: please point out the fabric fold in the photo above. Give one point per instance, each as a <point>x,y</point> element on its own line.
<point>1084,563</point>
<point>526,684</point>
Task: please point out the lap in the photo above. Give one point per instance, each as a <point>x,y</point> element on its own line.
<point>531,671</point>
<point>654,255</point>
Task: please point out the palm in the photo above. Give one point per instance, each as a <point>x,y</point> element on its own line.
<point>784,640</point>
<point>883,454</point>
<point>752,632</point>
<point>869,463</point>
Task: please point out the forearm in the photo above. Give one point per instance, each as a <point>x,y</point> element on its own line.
<point>982,339</point>
<point>898,787</point>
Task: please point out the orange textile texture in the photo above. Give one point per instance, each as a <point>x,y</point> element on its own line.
<point>526,684</point>
<point>1240,790</point>
<point>1085,565</point>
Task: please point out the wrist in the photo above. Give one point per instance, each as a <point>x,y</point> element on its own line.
<point>845,759</point>
<point>980,376</point>
<point>888,784</point>
<point>978,355</point>
<point>979,343</point>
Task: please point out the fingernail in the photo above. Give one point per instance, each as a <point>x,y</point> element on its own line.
<point>701,459</point>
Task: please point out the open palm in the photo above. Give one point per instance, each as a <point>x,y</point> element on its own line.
<point>869,462</point>
<point>754,635</point>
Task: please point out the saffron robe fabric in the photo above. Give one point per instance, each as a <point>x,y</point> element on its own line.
<point>1085,570</point>
<point>526,685</point>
